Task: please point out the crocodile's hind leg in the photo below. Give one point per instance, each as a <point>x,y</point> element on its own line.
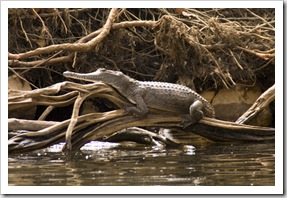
<point>195,114</point>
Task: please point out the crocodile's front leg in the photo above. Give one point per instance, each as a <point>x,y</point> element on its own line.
<point>195,114</point>
<point>141,109</point>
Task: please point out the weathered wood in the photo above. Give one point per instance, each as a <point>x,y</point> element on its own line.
<point>32,125</point>
<point>262,102</point>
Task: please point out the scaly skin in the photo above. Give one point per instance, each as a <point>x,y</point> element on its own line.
<point>148,94</point>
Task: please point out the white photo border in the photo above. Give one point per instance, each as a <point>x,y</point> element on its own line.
<point>277,189</point>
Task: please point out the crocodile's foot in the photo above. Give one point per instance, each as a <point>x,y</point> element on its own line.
<point>135,111</point>
<point>188,120</point>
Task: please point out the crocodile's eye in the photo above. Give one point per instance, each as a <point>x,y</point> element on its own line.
<point>102,69</point>
<point>119,73</point>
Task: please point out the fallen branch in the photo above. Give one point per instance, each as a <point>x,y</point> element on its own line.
<point>262,102</point>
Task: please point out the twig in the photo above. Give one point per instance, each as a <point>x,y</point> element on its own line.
<point>259,17</point>
<point>19,76</point>
<point>45,29</point>
<point>26,36</point>
<point>260,55</point>
<point>48,110</point>
<point>63,59</point>
<point>63,22</point>
<point>237,63</point>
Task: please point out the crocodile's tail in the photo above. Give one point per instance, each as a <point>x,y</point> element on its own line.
<point>208,110</point>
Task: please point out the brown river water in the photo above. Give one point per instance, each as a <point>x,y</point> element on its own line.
<point>128,164</point>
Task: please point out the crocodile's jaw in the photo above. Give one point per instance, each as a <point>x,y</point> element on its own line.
<point>78,76</point>
<point>103,75</point>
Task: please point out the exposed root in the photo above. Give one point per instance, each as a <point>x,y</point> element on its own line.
<point>206,48</point>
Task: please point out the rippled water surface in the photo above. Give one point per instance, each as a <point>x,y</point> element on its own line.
<point>133,164</point>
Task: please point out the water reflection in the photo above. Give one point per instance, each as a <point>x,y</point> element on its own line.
<point>134,164</point>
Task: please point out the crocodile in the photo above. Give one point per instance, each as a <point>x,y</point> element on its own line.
<point>143,95</point>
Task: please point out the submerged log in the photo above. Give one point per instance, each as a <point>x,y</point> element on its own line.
<point>80,130</point>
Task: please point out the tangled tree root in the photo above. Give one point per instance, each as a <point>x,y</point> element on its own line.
<point>200,48</point>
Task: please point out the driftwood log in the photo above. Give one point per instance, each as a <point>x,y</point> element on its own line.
<point>31,135</point>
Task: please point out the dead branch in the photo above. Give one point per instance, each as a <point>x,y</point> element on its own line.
<point>262,102</point>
